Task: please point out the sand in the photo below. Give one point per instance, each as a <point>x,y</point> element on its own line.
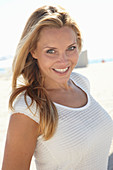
<point>101,83</point>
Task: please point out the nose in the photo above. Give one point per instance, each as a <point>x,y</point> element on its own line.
<point>63,58</point>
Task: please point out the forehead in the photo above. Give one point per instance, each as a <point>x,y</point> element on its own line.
<point>50,35</point>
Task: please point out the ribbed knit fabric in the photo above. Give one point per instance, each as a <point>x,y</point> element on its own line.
<point>83,136</point>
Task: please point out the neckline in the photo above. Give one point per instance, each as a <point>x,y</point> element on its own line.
<point>76,108</point>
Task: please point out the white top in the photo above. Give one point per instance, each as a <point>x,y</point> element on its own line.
<point>83,136</point>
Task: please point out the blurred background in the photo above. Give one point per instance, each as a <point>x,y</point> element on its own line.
<point>94,19</point>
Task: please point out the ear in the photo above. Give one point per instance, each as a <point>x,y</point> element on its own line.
<point>34,54</point>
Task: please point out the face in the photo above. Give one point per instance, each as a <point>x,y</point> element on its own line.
<point>56,54</point>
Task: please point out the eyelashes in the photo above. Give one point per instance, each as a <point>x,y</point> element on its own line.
<point>54,51</point>
<point>50,51</point>
<point>71,48</point>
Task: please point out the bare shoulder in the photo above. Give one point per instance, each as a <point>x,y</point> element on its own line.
<point>20,143</point>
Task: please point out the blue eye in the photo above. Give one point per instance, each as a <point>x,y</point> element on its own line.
<point>72,48</point>
<point>51,51</point>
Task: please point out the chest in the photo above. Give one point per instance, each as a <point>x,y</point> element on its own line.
<point>79,132</point>
<point>75,98</point>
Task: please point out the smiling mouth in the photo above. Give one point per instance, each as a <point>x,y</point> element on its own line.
<point>61,70</point>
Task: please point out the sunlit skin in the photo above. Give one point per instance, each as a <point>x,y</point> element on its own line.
<point>56,49</point>
<point>57,54</point>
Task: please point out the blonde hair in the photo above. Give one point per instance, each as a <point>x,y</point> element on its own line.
<point>26,66</point>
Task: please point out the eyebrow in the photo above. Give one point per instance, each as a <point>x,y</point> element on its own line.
<point>56,48</point>
<point>73,44</point>
<point>50,47</point>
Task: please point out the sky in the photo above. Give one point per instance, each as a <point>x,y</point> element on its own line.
<point>94,18</point>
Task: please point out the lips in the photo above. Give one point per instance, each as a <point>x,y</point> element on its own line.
<point>61,70</point>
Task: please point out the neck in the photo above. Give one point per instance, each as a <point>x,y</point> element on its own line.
<point>58,86</point>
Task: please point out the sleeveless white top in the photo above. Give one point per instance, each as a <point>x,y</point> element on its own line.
<point>83,136</point>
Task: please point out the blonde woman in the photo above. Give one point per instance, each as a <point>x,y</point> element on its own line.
<point>53,115</point>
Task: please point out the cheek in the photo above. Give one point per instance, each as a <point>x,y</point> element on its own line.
<point>43,63</point>
<point>74,57</point>
<point>77,57</point>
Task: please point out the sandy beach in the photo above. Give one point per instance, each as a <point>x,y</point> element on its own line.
<point>101,83</point>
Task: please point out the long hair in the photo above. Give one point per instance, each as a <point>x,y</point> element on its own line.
<point>26,66</point>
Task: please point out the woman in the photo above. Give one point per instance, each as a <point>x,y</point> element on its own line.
<point>54,117</point>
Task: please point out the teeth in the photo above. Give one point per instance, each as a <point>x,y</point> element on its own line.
<point>61,70</point>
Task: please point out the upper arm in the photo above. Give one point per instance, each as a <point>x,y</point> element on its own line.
<point>20,143</point>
